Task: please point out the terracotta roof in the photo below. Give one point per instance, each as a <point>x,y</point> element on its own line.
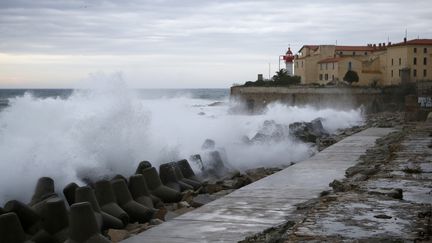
<point>313,47</point>
<point>355,48</point>
<point>331,59</point>
<point>420,42</point>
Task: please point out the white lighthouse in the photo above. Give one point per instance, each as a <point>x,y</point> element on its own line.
<point>288,59</point>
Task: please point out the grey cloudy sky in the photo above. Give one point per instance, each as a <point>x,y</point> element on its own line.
<point>184,44</point>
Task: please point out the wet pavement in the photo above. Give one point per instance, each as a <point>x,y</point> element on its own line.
<point>367,213</point>
<point>267,202</point>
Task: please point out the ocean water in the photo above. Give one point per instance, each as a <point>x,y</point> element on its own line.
<point>72,134</point>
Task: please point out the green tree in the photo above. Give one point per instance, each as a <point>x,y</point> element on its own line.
<point>351,77</point>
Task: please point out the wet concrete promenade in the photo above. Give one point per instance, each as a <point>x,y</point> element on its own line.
<point>267,202</point>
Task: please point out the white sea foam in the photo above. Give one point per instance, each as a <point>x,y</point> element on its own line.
<point>108,131</point>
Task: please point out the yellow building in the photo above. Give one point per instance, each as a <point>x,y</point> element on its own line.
<point>380,64</point>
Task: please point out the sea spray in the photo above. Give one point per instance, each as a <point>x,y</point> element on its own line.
<point>102,132</point>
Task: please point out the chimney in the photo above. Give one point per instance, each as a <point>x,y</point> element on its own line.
<point>405,40</point>
<point>389,44</point>
<point>384,44</point>
<point>374,45</point>
<point>379,45</point>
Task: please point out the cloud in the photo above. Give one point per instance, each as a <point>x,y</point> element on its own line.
<point>201,30</point>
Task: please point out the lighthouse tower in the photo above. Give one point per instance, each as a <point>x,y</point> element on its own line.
<point>288,58</point>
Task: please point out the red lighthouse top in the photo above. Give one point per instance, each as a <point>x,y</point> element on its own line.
<point>289,57</point>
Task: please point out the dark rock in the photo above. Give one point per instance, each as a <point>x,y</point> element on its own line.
<point>382,216</point>
<point>11,230</point>
<point>201,199</point>
<point>69,192</point>
<point>339,186</point>
<point>157,189</point>
<point>28,217</point>
<point>308,131</point>
<point>256,174</point>
<point>108,202</point>
<point>83,225</point>
<point>396,193</point>
<point>137,212</point>
<point>271,132</point>
<point>208,144</point>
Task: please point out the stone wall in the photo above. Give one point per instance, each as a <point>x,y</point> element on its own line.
<point>256,98</point>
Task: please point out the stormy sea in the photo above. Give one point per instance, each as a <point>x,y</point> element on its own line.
<point>71,134</point>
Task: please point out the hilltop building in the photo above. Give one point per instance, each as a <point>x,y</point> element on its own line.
<point>382,64</point>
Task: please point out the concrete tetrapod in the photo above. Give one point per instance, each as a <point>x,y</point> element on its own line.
<point>28,217</point>
<point>118,176</point>
<point>156,187</point>
<point>167,174</point>
<point>139,190</point>
<point>104,220</point>
<point>10,229</point>
<point>55,219</point>
<point>136,211</point>
<point>83,225</point>
<point>187,171</point>
<point>69,192</point>
<point>44,189</point>
<point>108,202</point>
<point>142,166</point>
<point>180,177</point>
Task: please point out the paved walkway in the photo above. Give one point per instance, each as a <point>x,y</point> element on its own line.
<point>267,202</point>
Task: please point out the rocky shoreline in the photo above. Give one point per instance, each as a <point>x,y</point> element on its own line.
<point>386,197</point>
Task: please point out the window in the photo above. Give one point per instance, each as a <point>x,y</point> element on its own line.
<point>340,53</point>
<point>321,77</point>
<point>332,77</point>
<point>392,61</point>
<point>365,53</point>
<point>400,61</point>
<point>425,50</point>
<point>302,63</point>
<point>424,73</point>
<point>326,76</point>
<point>425,61</point>
<point>326,66</point>
<point>415,50</point>
<point>333,65</point>
<point>349,65</point>
<point>353,53</point>
<point>321,66</point>
<point>415,72</point>
<point>392,73</point>
<point>415,61</point>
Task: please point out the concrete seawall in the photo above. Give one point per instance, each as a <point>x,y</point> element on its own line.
<point>371,99</point>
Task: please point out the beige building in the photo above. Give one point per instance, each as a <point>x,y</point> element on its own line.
<point>381,64</point>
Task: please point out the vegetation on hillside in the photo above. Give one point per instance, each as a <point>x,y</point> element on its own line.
<point>281,78</point>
